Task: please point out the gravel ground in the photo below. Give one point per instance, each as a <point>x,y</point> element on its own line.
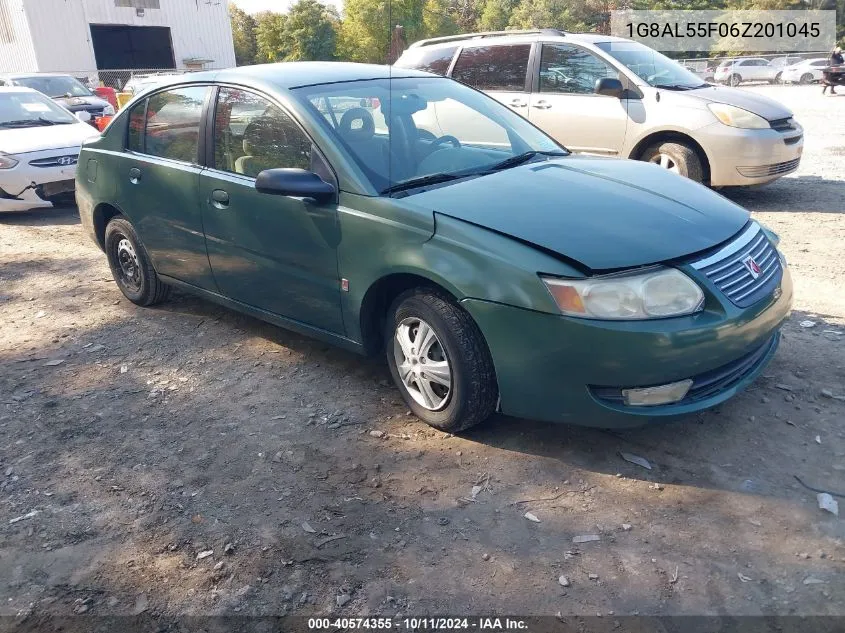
<point>190,460</point>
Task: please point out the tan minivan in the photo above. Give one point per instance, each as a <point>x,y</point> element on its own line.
<point>615,97</point>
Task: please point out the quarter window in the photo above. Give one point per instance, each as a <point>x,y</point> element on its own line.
<point>571,70</point>
<point>173,123</point>
<point>432,60</point>
<point>252,134</point>
<point>136,127</point>
<point>501,68</point>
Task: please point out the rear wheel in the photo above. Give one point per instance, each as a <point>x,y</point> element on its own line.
<point>777,79</point>
<point>806,78</point>
<point>677,157</point>
<point>735,79</point>
<point>440,361</point>
<point>130,265</point>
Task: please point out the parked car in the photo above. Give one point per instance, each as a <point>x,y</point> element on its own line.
<point>805,72</point>
<point>780,63</point>
<point>492,268</point>
<point>706,73</point>
<point>39,146</point>
<point>65,90</point>
<point>744,69</point>
<point>139,83</point>
<point>610,96</point>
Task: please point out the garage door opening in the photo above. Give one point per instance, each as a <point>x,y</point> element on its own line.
<point>120,47</point>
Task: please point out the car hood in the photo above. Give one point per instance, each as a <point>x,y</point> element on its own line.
<point>602,213</point>
<point>758,104</point>
<point>36,139</point>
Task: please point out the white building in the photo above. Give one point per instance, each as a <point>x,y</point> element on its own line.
<point>85,35</point>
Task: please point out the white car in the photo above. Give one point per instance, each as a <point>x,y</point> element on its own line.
<point>39,147</point>
<point>805,72</point>
<point>742,69</point>
<point>139,83</point>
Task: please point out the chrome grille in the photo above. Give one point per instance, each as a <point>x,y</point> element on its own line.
<point>730,269</point>
<point>55,161</point>
<point>769,170</point>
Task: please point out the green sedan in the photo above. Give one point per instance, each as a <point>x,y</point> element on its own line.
<point>494,270</point>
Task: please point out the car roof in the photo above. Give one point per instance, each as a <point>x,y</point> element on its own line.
<point>5,89</point>
<point>503,37</point>
<point>26,75</point>
<point>288,75</point>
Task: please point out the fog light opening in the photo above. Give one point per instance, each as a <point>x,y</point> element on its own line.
<point>662,394</point>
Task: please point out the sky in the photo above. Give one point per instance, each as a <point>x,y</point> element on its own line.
<point>254,6</point>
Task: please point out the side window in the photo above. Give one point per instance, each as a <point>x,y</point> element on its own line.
<point>431,60</point>
<point>252,134</point>
<point>494,67</point>
<point>568,69</point>
<point>820,63</point>
<point>173,123</point>
<point>137,116</point>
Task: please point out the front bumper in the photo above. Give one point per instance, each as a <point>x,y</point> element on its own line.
<point>17,194</point>
<point>548,366</point>
<point>750,157</point>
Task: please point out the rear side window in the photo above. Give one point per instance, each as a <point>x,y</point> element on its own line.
<point>431,60</point>
<point>494,67</point>
<point>173,123</point>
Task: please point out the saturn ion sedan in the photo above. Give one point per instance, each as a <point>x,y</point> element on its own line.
<point>494,270</point>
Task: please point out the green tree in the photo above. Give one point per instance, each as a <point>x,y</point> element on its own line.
<point>271,37</point>
<point>367,26</point>
<point>310,31</point>
<point>570,15</point>
<point>496,14</point>
<point>243,35</point>
<point>438,19</point>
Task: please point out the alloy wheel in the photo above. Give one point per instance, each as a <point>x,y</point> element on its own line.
<point>665,161</point>
<point>422,363</point>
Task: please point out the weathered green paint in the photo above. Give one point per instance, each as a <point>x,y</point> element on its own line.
<point>484,241</point>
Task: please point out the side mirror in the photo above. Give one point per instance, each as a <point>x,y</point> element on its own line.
<point>609,87</point>
<point>297,183</point>
<point>83,115</point>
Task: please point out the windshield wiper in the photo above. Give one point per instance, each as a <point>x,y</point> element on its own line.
<point>513,161</point>
<point>431,179</point>
<point>679,86</point>
<point>27,122</point>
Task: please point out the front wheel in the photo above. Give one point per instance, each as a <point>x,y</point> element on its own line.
<point>806,78</point>
<point>439,360</point>
<point>777,79</point>
<point>130,265</point>
<point>677,158</point>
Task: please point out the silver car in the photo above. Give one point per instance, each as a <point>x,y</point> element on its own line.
<point>611,96</point>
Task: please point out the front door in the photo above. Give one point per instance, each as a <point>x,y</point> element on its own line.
<point>565,106</point>
<point>275,253</point>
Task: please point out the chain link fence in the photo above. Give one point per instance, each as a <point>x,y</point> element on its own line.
<point>706,66</point>
<point>119,79</point>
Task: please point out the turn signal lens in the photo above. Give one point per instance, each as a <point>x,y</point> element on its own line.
<point>6,161</point>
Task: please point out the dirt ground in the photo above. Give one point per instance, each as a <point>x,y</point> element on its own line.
<point>190,460</point>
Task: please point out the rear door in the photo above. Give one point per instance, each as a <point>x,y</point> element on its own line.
<point>276,253</point>
<point>566,107</point>
<point>158,178</point>
<point>499,70</point>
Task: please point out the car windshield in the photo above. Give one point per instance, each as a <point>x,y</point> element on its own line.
<point>56,86</point>
<point>406,132</point>
<point>30,109</point>
<point>652,67</point>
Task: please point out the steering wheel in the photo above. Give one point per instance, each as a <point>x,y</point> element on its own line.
<point>448,138</point>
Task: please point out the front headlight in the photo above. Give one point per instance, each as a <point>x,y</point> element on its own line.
<point>108,110</point>
<point>6,161</point>
<point>737,117</point>
<point>658,293</point>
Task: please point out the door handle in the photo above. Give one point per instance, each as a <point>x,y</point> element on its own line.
<point>134,175</point>
<point>219,199</point>
<point>517,103</point>
<point>541,105</point>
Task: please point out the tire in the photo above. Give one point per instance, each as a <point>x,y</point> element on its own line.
<point>735,79</point>
<point>684,160</point>
<point>142,285</point>
<point>472,393</point>
<point>777,79</point>
<point>806,78</point>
